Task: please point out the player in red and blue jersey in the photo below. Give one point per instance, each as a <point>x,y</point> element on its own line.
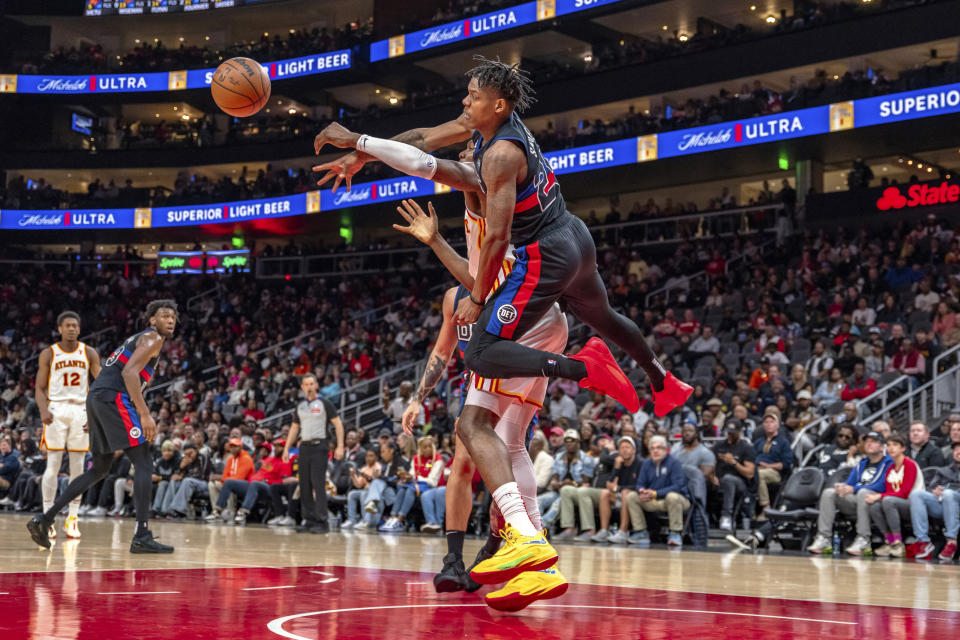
<point>118,419</point>
<point>556,260</point>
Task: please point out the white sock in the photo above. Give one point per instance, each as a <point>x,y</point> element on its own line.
<point>510,503</point>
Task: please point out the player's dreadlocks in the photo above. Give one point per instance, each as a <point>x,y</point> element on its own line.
<point>511,81</point>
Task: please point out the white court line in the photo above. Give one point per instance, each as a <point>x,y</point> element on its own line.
<point>133,593</point>
<point>286,586</point>
<point>276,625</point>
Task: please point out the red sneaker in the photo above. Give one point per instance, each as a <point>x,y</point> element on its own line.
<point>605,376</point>
<point>948,552</point>
<point>674,394</point>
<point>920,550</point>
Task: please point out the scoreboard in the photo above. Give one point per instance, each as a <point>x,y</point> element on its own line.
<point>140,7</point>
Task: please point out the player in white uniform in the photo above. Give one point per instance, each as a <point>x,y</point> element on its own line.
<point>63,378</point>
<point>515,401</point>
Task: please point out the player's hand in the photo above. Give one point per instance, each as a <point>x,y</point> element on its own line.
<point>337,135</point>
<point>45,416</point>
<point>338,453</point>
<point>467,312</point>
<point>409,418</point>
<point>149,428</point>
<point>343,169</point>
<point>422,226</point>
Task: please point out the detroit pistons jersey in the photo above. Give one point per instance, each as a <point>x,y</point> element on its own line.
<point>111,375</point>
<point>69,374</point>
<point>539,203</point>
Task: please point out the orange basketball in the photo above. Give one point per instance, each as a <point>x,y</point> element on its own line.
<point>240,87</point>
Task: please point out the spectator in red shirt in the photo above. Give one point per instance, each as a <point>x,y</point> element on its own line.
<point>689,326</point>
<point>909,361</point>
<point>887,509</point>
<point>667,327</point>
<point>272,471</point>
<point>253,411</point>
<point>717,265</point>
<point>859,386</point>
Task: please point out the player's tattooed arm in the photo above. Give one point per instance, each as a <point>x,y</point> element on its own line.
<point>436,363</point>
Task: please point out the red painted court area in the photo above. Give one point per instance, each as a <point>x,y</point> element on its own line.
<point>369,604</point>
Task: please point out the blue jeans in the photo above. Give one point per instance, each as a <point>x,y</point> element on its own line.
<point>187,488</point>
<point>231,487</point>
<point>406,498</point>
<point>383,495</point>
<point>355,500</point>
<point>163,488</point>
<point>255,490</point>
<point>168,496</point>
<point>924,505</point>
<point>546,501</point>
<point>434,504</point>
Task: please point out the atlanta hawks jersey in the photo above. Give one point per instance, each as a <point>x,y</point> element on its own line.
<point>475,228</point>
<point>69,374</point>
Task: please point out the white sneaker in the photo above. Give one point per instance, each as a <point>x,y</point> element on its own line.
<point>98,512</point>
<point>115,512</point>
<point>213,516</point>
<point>619,537</point>
<point>275,520</point>
<point>363,525</point>
<point>370,507</point>
<point>52,532</point>
<point>430,527</point>
<point>228,515</point>
<point>820,544</point>
<point>726,523</point>
<point>861,547</point>
<point>84,510</point>
<point>287,521</point>
<point>348,524</point>
<point>6,502</point>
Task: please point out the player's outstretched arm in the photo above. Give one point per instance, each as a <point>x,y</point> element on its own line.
<point>345,167</point>
<point>424,227</point>
<point>502,165</point>
<point>436,363</point>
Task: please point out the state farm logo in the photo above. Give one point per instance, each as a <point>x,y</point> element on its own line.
<point>444,34</point>
<point>918,195</point>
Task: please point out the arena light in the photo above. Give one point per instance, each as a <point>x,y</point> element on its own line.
<point>753,7</point>
<point>588,58</point>
<point>683,37</point>
<point>207,38</point>
<point>291,111</point>
<point>393,100</point>
<point>771,19</point>
<point>185,117</point>
<point>181,38</point>
<point>665,27</point>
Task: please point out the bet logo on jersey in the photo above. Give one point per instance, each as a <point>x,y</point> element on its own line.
<point>114,356</point>
<point>135,432</point>
<point>507,314</point>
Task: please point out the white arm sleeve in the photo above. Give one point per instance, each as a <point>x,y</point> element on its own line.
<point>399,155</point>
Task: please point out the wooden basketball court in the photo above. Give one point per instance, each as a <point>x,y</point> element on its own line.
<point>256,582</point>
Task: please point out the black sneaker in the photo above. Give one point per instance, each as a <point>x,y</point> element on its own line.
<point>319,528</point>
<point>453,577</point>
<point>38,531</point>
<point>469,585</point>
<point>144,543</point>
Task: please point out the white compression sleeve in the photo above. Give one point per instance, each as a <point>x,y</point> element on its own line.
<point>399,155</point>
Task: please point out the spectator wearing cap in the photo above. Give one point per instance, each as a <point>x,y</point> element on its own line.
<point>690,452</point>
<point>850,497</point>
<point>888,509</point>
<point>736,470</point>
<point>626,471</point>
<point>191,478</point>
<point>922,450</point>
<point>572,467</point>
<point>563,406</point>
<point>941,501</point>
<point>859,386</point>
<point>555,440</point>
<point>718,413</point>
<point>589,499</point>
<point>237,466</point>
<point>773,457</point>
<point>163,469</point>
<point>661,486</point>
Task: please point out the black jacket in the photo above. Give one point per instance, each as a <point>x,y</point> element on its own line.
<point>928,456</point>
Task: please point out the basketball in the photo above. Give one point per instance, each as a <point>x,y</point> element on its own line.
<point>240,87</point>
